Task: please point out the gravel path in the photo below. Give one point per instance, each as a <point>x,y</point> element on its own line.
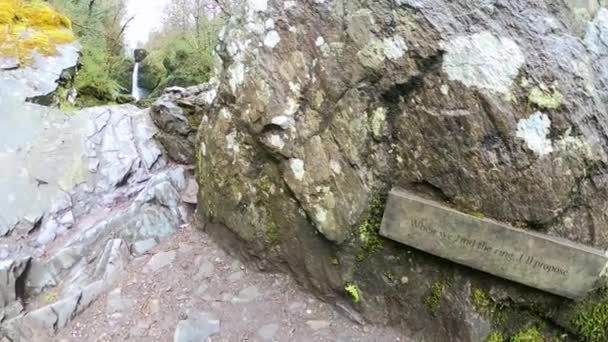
<point>188,289</point>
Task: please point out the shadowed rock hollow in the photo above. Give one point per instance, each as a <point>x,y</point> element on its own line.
<point>497,108</point>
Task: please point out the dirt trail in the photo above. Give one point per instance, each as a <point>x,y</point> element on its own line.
<point>190,283</point>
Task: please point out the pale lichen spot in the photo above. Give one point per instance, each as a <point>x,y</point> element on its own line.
<point>378,122</point>
<point>283,121</point>
<point>225,114</point>
<point>231,143</point>
<point>335,167</point>
<point>297,168</point>
<point>394,47</point>
<point>295,88</point>
<point>269,24</point>
<point>276,141</point>
<point>272,39</point>
<point>255,27</point>
<point>292,107</point>
<point>258,5</point>
<point>237,75</point>
<point>534,131</point>
<point>445,89</point>
<point>320,41</point>
<point>204,149</point>
<point>320,215</point>
<point>483,60</point>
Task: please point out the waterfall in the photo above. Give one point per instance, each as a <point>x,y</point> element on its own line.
<point>135,86</point>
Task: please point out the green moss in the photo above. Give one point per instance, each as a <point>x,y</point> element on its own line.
<point>273,232</point>
<point>49,298</point>
<point>530,334</point>
<point>335,261</point>
<point>353,291</point>
<point>495,337</point>
<point>49,29</point>
<point>481,300</point>
<point>433,300</point>
<point>369,230</point>
<point>195,121</point>
<point>591,321</point>
<point>520,224</point>
<point>545,99</point>
<point>390,275</point>
<point>484,305</point>
<point>477,214</point>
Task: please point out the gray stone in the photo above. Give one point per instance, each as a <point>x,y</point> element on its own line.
<point>238,275</point>
<point>44,316</point>
<point>10,272</point>
<point>548,263</point>
<point>248,294</point>
<point>206,269</point>
<point>39,78</point>
<point>317,325</point>
<point>143,246</point>
<point>159,261</point>
<point>268,331</point>
<point>196,328</point>
<point>117,303</point>
<point>191,193</point>
<point>65,310</point>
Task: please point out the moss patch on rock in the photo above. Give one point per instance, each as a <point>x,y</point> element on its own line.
<point>273,232</point>
<point>530,334</point>
<point>545,99</point>
<point>433,300</point>
<point>368,231</point>
<point>28,27</point>
<point>353,291</point>
<point>590,318</point>
<point>496,337</point>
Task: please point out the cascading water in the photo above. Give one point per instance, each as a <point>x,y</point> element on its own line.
<point>135,81</point>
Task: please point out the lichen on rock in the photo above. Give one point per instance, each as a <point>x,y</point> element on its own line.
<point>350,99</point>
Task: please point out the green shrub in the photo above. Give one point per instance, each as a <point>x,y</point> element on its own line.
<point>530,334</point>
<point>495,337</point>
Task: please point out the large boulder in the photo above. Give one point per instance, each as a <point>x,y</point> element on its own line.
<point>492,107</point>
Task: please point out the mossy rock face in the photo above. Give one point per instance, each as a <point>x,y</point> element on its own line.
<point>303,137</point>
<point>32,27</point>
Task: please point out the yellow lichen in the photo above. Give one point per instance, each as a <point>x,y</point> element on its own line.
<point>28,26</point>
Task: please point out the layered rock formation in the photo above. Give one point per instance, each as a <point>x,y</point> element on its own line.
<point>82,194</point>
<point>496,108</point>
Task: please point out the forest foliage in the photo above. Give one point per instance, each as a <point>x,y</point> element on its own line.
<point>99,26</point>
<point>182,50</point>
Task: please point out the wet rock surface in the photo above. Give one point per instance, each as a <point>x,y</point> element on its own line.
<point>82,190</point>
<point>125,193</point>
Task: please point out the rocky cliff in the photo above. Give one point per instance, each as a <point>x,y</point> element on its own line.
<point>496,108</point>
